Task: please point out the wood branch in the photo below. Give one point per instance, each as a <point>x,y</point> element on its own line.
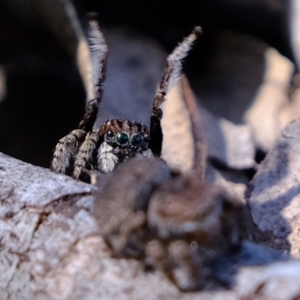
<point>274,195</point>
<point>51,249</point>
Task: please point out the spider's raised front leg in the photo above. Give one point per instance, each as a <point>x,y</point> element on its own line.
<point>66,150</point>
<point>171,75</point>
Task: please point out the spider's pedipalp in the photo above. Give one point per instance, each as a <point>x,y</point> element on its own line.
<point>171,74</point>
<point>66,150</point>
<point>107,160</point>
<point>86,159</point>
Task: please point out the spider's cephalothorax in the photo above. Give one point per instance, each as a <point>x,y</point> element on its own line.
<point>88,149</point>
<point>116,141</point>
<point>124,139</point>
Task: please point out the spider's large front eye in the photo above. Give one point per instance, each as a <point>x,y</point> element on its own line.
<point>110,133</point>
<point>122,138</point>
<point>136,140</point>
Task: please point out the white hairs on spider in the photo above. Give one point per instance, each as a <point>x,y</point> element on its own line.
<point>175,58</point>
<point>107,160</point>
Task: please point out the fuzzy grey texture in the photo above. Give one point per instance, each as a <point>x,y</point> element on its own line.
<point>274,199</point>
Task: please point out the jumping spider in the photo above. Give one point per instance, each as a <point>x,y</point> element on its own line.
<point>88,149</point>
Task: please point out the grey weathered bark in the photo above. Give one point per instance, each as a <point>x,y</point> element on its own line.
<point>274,195</point>
<point>51,249</point>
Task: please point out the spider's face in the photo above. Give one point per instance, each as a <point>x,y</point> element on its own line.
<point>125,138</point>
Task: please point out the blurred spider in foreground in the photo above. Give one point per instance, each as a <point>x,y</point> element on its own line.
<point>88,149</point>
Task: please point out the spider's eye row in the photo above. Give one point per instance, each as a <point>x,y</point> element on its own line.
<point>136,139</point>
<point>122,138</point>
<point>110,133</point>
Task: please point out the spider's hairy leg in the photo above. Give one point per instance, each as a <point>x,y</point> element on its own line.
<point>93,75</point>
<point>156,134</point>
<point>171,75</point>
<point>65,152</point>
<point>173,68</point>
<point>86,159</point>
<point>67,147</point>
<point>99,54</point>
<point>90,116</point>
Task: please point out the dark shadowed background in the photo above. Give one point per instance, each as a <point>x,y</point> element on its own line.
<point>44,96</point>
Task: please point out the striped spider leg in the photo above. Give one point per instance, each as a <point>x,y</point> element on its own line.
<point>171,75</point>
<point>66,150</point>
